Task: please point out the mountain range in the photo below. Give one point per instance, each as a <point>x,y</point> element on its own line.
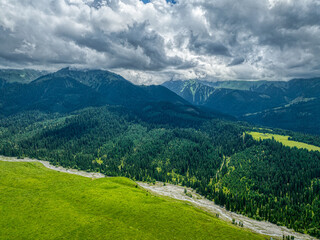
<point>20,75</point>
<point>293,105</point>
<point>98,121</point>
<point>69,89</point>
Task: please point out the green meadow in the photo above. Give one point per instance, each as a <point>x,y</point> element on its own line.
<point>284,140</point>
<point>38,203</point>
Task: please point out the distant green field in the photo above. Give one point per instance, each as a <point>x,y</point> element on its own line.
<point>284,140</point>
<point>38,203</point>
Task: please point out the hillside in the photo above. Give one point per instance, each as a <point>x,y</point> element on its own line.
<point>37,203</point>
<point>232,97</point>
<point>285,140</point>
<point>193,91</point>
<point>174,119</point>
<point>290,105</point>
<point>301,115</point>
<point>75,120</point>
<point>23,76</point>
<point>68,90</point>
<point>211,156</point>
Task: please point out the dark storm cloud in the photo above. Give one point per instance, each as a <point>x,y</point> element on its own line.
<point>151,44</point>
<point>267,39</point>
<point>122,47</point>
<point>206,46</point>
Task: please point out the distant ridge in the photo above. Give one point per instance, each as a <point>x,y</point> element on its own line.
<point>293,105</point>
<point>72,89</point>
<point>20,75</point>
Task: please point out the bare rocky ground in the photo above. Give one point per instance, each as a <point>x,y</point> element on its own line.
<point>263,227</point>
<point>177,192</point>
<point>59,169</point>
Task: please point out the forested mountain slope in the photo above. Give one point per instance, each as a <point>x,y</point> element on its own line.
<point>263,180</point>
<point>69,90</point>
<point>291,105</point>
<point>20,75</point>
<point>77,119</point>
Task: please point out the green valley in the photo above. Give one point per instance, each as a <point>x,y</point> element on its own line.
<point>38,203</point>
<point>92,120</point>
<point>159,119</point>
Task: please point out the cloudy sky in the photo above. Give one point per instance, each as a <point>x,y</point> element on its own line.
<point>151,41</point>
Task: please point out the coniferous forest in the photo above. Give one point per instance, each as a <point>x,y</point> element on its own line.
<point>214,105</point>
<point>261,179</point>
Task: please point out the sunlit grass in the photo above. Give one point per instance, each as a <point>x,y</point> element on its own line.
<point>38,203</point>
<point>284,140</point>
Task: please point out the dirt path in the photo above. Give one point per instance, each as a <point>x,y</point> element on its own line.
<point>59,169</point>
<point>177,192</point>
<point>262,227</point>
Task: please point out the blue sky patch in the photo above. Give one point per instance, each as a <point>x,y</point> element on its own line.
<point>168,1</point>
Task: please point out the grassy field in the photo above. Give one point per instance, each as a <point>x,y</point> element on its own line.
<point>284,140</point>
<point>38,203</point>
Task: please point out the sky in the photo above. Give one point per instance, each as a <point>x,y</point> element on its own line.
<point>152,41</point>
